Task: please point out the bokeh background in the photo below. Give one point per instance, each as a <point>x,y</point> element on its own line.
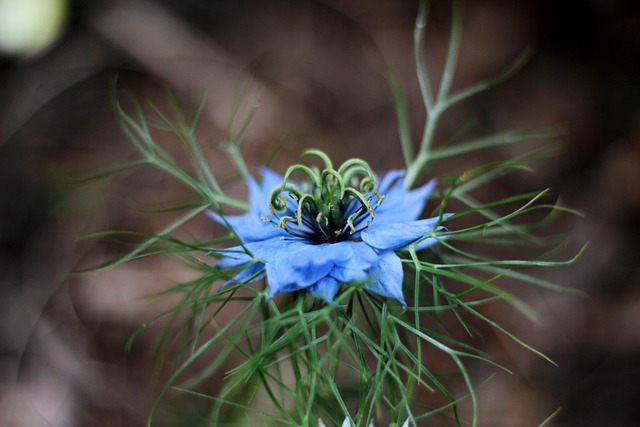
<point>320,67</point>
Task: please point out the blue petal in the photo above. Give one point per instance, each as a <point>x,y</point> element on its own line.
<point>303,264</point>
<point>348,274</point>
<point>256,196</point>
<point>356,255</point>
<point>270,180</point>
<point>234,259</point>
<point>394,236</point>
<point>390,178</point>
<point>272,280</point>
<point>245,275</point>
<point>400,205</point>
<point>265,251</point>
<point>386,277</point>
<point>249,227</point>
<point>268,250</point>
<point>259,192</point>
<point>326,288</point>
<point>276,286</point>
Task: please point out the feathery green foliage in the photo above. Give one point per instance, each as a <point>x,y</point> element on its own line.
<point>295,360</point>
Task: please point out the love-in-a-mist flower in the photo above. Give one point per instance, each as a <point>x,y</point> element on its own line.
<point>338,226</point>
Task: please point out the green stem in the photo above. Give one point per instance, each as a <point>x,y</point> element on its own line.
<point>418,51</point>
<point>418,166</point>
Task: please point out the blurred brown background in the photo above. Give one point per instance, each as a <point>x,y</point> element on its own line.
<point>320,66</point>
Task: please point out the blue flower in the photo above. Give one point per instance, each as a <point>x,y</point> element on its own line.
<point>342,226</point>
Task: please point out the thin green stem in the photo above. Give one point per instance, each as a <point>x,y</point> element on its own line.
<point>418,51</point>
<point>452,51</point>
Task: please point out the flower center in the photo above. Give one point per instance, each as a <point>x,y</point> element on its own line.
<point>335,205</point>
